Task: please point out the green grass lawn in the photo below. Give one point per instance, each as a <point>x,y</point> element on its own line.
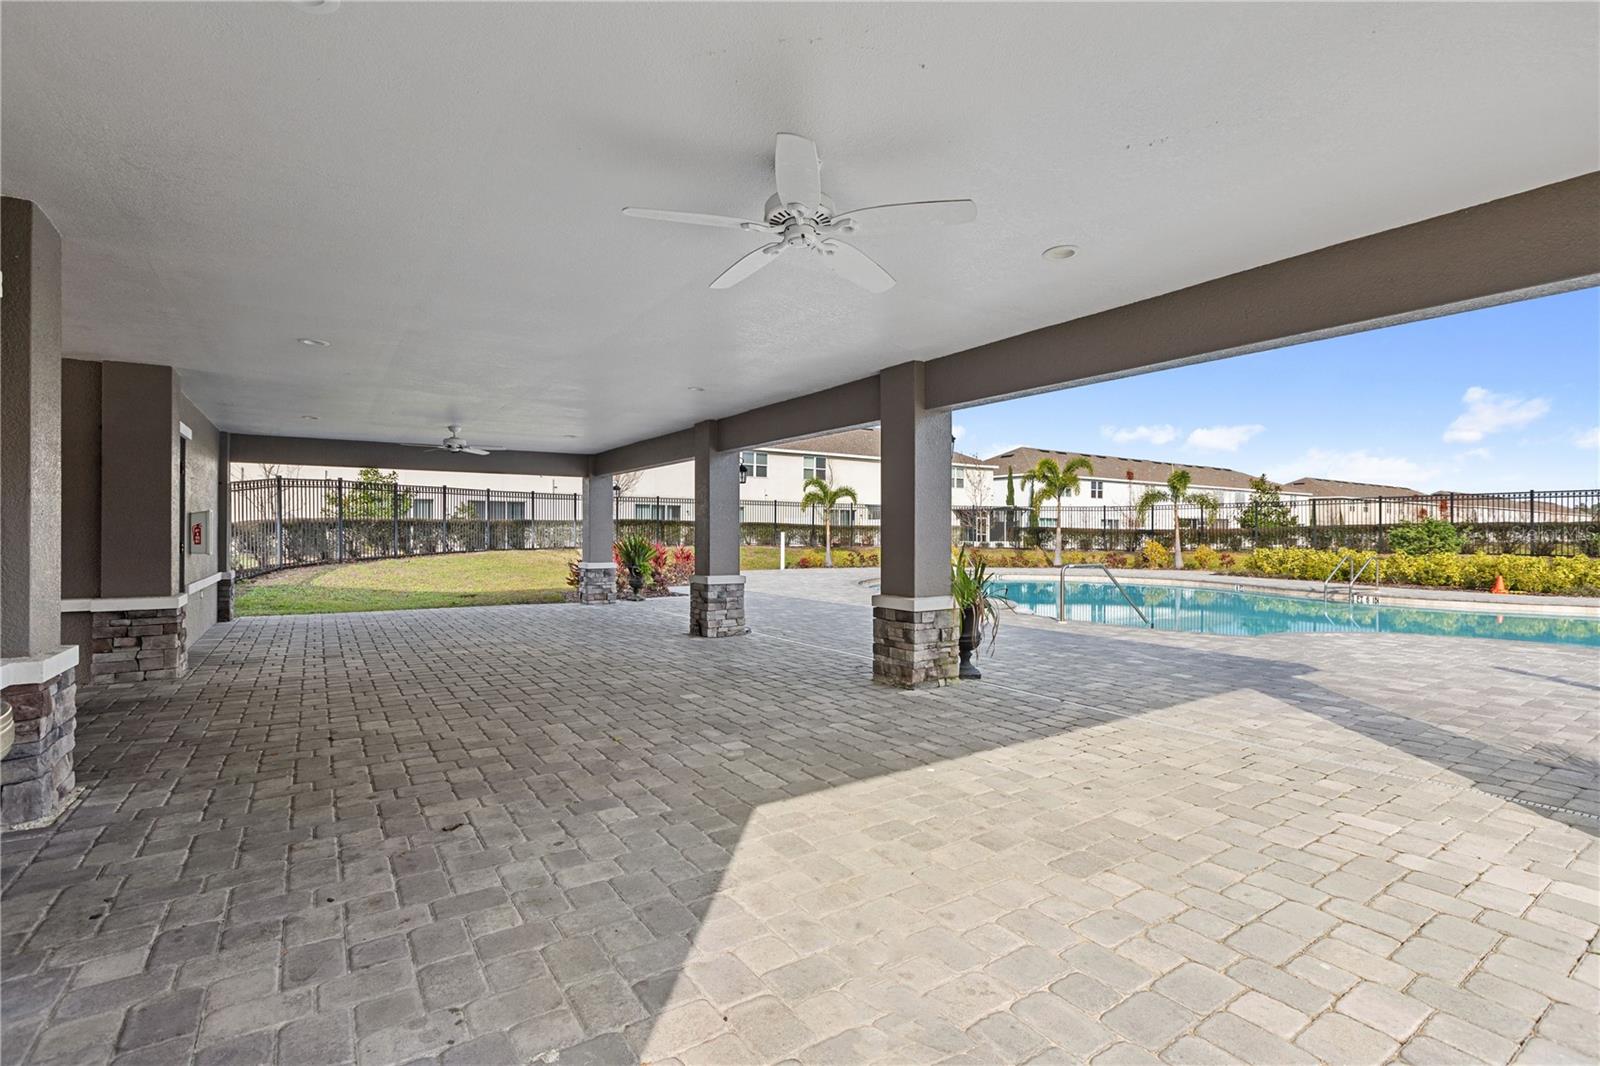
<point>468,580</point>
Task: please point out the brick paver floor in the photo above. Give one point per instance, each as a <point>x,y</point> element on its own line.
<point>575,835</point>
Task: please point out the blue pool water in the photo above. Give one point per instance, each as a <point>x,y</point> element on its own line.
<point>1248,614</point>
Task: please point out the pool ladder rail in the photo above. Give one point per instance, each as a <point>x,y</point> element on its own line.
<point>1061,591</point>
<point>1355,575</point>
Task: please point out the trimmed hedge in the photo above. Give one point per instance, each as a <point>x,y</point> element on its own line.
<point>1556,574</point>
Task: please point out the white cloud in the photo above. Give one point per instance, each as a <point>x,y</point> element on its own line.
<point>1149,434</point>
<point>1591,439</point>
<point>1222,438</point>
<point>1362,465</point>
<point>1489,412</point>
<point>1475,453</point>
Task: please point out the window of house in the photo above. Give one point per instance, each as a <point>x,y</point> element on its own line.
<point>666,512</point>
<point>755,463</point>
<point>1097,490</point>
<point>1110,523</point>
<point>499,510</point>
<point>956,481</point>
<point>422,508</point>
<point>843,516</point>
<point>874,512</point>
<point>816,466</point>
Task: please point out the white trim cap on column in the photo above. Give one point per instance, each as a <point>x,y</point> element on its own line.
<point>915,603</point>
<point>37,669</point>
<point>717,579</point>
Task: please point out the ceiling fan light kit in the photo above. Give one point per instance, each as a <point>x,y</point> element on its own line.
<point>798,217</point>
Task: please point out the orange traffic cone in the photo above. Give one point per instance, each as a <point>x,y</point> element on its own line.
<point>1499,588</point>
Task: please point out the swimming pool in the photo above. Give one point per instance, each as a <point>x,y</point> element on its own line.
<point>1248,614</point>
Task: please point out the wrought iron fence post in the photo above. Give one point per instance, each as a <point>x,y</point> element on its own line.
<point>574,543</point>
<point>488,536</point>
<point>279,511</point>
<point>394,519</point>
<point>532,539</point>
<point>444,507</point>
<point>339,518</point>
<point>1532,519</point>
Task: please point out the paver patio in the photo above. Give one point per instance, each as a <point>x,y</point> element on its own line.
<point>491,835</point>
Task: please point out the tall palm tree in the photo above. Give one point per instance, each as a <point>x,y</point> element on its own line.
<point>1049,480</point>
<point>821,494</point>
<point>1176,493</point>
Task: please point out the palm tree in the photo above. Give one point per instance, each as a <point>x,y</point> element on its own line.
<point>821,494</point>
<point>1051,481</point>
<point>1176,493</point>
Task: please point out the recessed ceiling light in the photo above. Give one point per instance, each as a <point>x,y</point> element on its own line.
<point>308,418</point>
<point>1061,251</point>
<point>696,388</point>
<point>313,342</point>
<point>322,7</point>
<point>569,436</point>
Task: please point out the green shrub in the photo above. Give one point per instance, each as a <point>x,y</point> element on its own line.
<point>1426,537</point>
<point>1566,574</point>
<point>1203,558</point>
<point>1153,555</point>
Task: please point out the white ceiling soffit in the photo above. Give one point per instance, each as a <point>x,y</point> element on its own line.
<point>436,189</point>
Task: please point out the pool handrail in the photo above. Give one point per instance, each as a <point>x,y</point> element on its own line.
<point>1355,574</point>
<point>1061,590</point>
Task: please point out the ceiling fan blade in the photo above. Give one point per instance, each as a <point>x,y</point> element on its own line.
<point>852,264</point>
<point>887,217</point>
<point>694,219</point>
<point>799,171</point>
<point>473,451</point>
<point>748,265</point>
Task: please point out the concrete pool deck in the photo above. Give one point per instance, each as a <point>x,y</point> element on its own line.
<point>506,834</point>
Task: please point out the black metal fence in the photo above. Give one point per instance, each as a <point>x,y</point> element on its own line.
<point>283,522</point>
<point>1513,523</point>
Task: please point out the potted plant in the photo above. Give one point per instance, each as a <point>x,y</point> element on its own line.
<point>637,554</point>
<point>970,587</point>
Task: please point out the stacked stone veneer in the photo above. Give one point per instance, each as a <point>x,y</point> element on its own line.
<point>36,776</point>
<point>716,607</point>
<point>911,649</point>
<point>146,645</point>
<point>597,583</point>
<point>225,599</point>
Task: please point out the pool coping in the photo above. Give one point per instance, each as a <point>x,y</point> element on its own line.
<point>1435,599</point>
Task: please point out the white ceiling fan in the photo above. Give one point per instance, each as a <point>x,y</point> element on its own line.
<point>457,445</point>
<point>799,216</point>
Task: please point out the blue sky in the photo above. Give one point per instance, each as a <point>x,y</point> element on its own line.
<point>1503,398</point>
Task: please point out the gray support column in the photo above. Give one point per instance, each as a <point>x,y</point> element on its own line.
<point>914,624</point>
<point>224,530</point>
<point>597,570</point>
<point>37,673</point>
<point>716,592</point>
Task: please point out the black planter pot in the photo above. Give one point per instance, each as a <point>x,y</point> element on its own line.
<point>635,580</point>
<point>969,643</point>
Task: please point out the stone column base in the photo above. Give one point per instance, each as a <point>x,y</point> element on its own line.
<point>716,606</point>
<point>36,775</point>
<point>597,583</point>
<point>225,599</point>
<point>914,641</point>
<point>143,645</point>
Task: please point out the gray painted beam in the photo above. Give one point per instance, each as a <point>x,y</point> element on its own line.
<point>313,451</point>
<point>641,455</point>
<point>1532,244</point>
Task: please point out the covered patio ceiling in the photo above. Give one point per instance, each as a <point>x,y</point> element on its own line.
<point>436,189</point>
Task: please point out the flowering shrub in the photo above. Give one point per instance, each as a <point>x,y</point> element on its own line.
<point>1154,555</point>
<point>1203,558</point>
<point>1571,574</point>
